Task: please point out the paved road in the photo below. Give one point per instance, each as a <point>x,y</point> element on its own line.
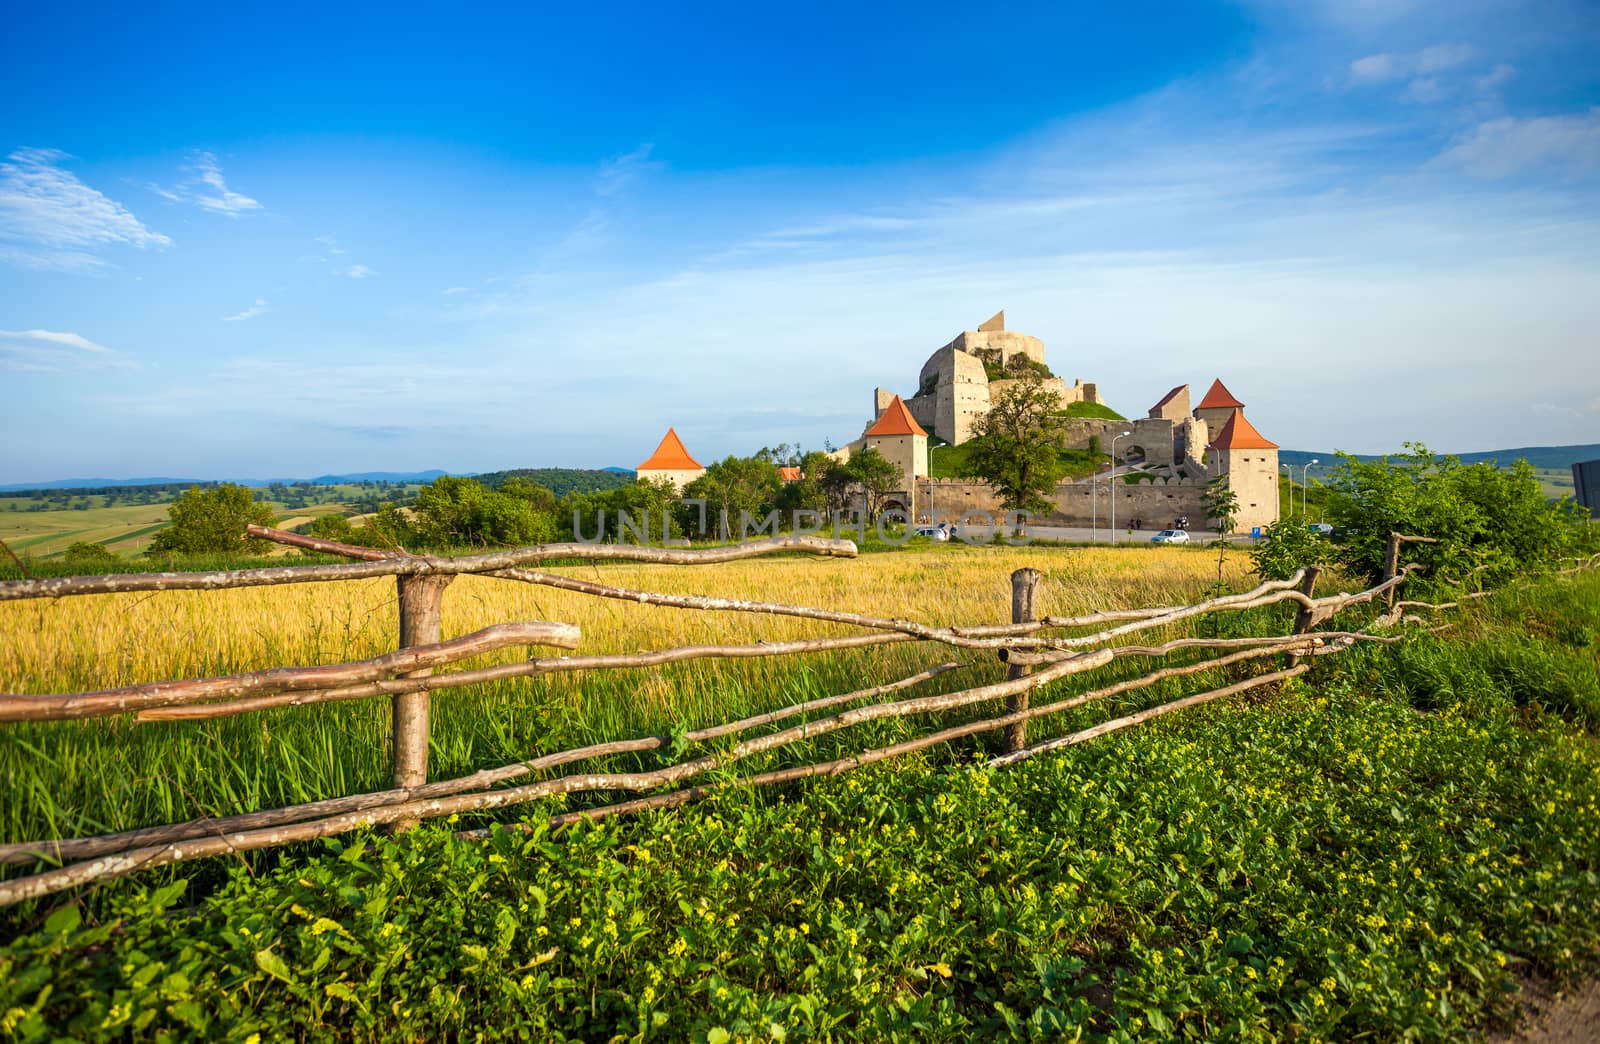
<point>1102,535</point>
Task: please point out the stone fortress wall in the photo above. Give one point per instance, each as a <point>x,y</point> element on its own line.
<point>1156,503</point>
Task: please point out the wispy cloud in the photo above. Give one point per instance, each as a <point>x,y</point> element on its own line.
<point>328,243</point>
<point>359,272</point>
<point>50,219</point>
<point>1563,145</point>
<point>53,353</point>
<point>1389,66</point>
<point>259,308</point>
<point>617,173</point>
<point>206,188</point>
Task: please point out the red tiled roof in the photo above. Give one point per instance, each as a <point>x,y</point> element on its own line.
<point>1173,394</point>
<point>1239,433</point>
<point>1219,398</point>
<point>896,420</point>
<point>789,474</point>
<point>671,456</point>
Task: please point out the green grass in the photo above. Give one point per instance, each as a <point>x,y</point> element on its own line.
<point>1091,409</point>
<point>954,462</point>
<point>1380,850</point>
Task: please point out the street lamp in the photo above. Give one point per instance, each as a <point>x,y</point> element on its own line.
<point>1112,486</point>
<point>1303,480</point>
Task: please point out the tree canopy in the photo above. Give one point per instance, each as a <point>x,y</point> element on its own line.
<point>1017,444</point>
<point>212,519</point>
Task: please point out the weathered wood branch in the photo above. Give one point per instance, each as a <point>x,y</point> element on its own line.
<point>103,844</point>
<point>416,565</point>
<point>839,766</point>
<point>58,707</point>
<point>149,857</point>
<point>525,669</point>
<point>1299,644</point>
<point>1126,721</point>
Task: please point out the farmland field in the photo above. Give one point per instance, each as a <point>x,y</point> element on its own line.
<point>1380,850</point>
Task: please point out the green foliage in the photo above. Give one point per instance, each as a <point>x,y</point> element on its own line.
<point>1017,448</point>
<point>1286,546</point>
<point>1490,522</point>
<point>1221,504</point>
<point>811,491</point>
<point>84,555</point>
<point>212,519</point>
<point>458,512</point>
<point>872,474</point>
<point>734,485</point>
<point>1091,409</point>
<point>1332,865</point>
<point>560,481</point>
<point>330,527</point>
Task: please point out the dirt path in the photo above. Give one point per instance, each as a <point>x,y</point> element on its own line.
<point>1573,1017</point>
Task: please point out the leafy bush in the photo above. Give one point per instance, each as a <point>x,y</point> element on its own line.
<point>84,555</point>
<point>1490,521</point>
<point>1286,546</point>
<point>211,520</point>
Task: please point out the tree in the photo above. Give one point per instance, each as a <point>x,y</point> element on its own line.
<point>213,520</point>
<point>462,511</point>
<point>83,555</point>
<point>1486,519</point>
<point>1285,546</point>
<point>733,485</point>
<point>875,475</point>
<point>1221,503</point>
<point>330,527</point>
<point>1017,445</point>
<point>810,491</point>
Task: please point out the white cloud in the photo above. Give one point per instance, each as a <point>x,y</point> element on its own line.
<point>50,219</point>
<point>359,272</point>
<point>1422,68</point>
<point>1376,68</point>
<point>329,243</point>
<point>259,308</point>
<point>1495,77</point>
<point>52,353</point>
<point>1442,57</point>
<point>1568,145</point>
<point>207,189</point>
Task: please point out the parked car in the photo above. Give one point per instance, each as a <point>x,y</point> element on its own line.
<point>1171,536</point>
<point>1322,529</point>
<point>933,532</point>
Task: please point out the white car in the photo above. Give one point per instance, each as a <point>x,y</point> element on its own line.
<point>933,532</point>
<point>1171,536</point>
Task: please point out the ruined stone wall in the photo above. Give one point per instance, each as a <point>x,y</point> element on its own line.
<point>1004,343</point>
<point>1155,503</point>
<point>959,388</point>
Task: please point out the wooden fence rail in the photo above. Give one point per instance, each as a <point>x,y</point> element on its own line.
<point>1033,659</point>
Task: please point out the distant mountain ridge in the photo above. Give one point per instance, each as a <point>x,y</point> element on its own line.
<point>1538,456</point>
<point>582,479</point>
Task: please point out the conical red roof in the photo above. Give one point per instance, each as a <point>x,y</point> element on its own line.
<point>1238,434</point>
<point>671,456</point>
<point>1219,398</point>
<point>896,420</point>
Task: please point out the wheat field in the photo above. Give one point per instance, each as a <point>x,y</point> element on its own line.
<point>72,778</point>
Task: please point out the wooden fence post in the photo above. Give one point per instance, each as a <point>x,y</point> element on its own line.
<point>1302,619</point>
<point>1024,598</point>
<point>421,606</point>
<point>1391,564</point>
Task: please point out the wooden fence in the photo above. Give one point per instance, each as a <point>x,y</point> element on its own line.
<point>1034,648</point>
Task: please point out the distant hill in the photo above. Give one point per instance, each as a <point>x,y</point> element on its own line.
<point>562,481</point>
<point>98,485</point>
<point>1538,456</point>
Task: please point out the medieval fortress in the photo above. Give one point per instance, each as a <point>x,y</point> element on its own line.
<point>1167,458</point>
<point>1164,461</point>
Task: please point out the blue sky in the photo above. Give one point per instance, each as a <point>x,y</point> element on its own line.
<point>296,242</point>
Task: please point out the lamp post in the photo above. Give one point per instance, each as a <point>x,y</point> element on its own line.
<point>1094,508</point>
<point>1113,484</point>
<point>1303,479</point>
